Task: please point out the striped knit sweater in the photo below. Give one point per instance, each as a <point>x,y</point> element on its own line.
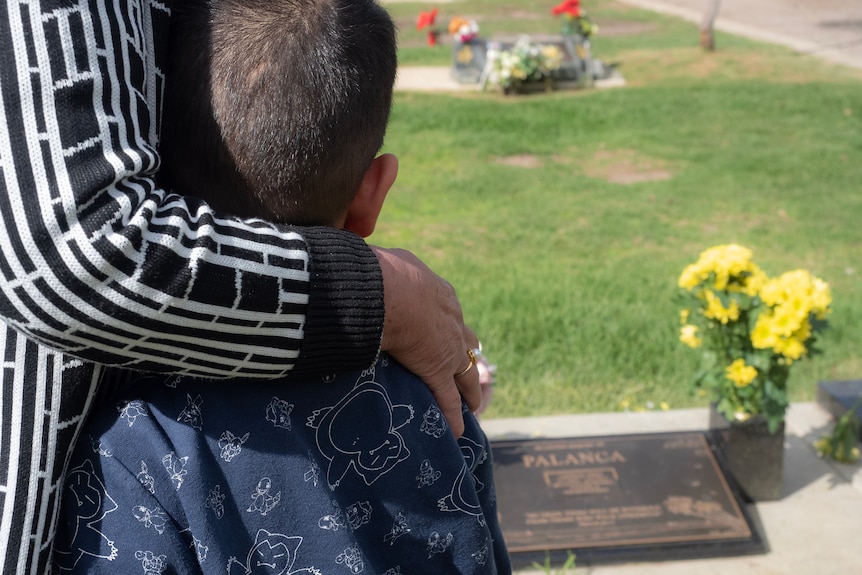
<point>103,267</point>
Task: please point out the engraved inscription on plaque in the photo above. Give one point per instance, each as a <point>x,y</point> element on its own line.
<point>613,491</point>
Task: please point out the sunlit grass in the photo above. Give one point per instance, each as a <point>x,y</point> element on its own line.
<point>563,220</point>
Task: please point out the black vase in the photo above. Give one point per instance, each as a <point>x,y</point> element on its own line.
<point>753,456</point>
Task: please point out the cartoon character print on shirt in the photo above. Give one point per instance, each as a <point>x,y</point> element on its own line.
<point>147,480</point>
<point>313,473</point>
<point>481,556</point>
<point>176,468</point>
<point>201,550</point>
<point>96,444</point>
<point>359,514</point>
<point>352,559</point>
<point>262,500</point>
<point>132,410</point>
<point>334,521</point>
<point>231,445</point>
<point>399,528</point>
<point>270,554</point>
<point>439,543</point>
<point>347,440</point>
<point>192,413</point>
<point>433,422</point>
<point>278,413</point>
<point>463,495</point>
<point>215,501</point>
<point>84,493</point>
<point>155,518</point>
<point>427,474</point>
<point>152,564</point>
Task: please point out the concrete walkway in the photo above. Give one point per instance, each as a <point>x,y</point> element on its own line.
<point>828,29</point>
<point>814,529</point>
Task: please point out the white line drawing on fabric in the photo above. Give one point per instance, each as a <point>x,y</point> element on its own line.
<point>173,381</point>
<point>278,413</point>
<point>231,445</point>
<point>270,554</point>
<point>192,412</point>
<point>463,496</point>
<point>433,422</point>
<point>201,550</point>
<point>84,492</point>
<point>438,543</point>
<point>132,410</point>
<point>313,473</point>
<point>427,474</point>
<point>481,556</point>
<point>152,564</point>
<point>261,500</point>
<point>333,521</point>
<point>399,528</point>
<point>176,468</point>
<point>394,571</point>
<point>155,518</point>
<point>215,501</point>
<point>352,559</point>
<point>96,444</point>
<point>359,514</point>
<point>147,480</point>
<point>347,440</point>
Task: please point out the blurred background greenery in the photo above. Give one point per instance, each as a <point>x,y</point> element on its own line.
<point>563,220</point>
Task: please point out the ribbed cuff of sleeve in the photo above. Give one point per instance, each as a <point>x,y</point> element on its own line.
<point>344,320</point>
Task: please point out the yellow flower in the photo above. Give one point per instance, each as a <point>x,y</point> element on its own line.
<point>741,374</point>
<point>754,282</point>
<point>821,298</point>
<point>731,268</point>
<point>688,336</point>
<point>664,406</point>
<point>691,276</point>
<point>683,315</point>
<point>715,310</point>
<point>791,348</point>
<point>800,291</point>
<point>786,320</point>
<point>763,336</point>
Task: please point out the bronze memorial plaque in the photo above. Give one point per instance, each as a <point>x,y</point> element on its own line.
<point>615,498</point>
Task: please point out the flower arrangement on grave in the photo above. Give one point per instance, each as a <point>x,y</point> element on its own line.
<point>842,443</point>
<point>428,20</point>
<point>463,30</point>
<point>575,20</point>
<point>750,329</point>
<point>527,61</point>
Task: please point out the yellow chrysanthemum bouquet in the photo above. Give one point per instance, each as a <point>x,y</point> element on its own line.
<point>750,329</point>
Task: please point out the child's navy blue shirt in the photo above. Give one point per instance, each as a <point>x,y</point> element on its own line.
<point>359,474</point>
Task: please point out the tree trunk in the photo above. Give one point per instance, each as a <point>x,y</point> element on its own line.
<point>707,36</point>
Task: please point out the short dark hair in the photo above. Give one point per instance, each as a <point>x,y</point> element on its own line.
<point>275,108</point>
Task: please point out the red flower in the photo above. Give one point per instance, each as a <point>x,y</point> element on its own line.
<point>570,8</point>
<point>426,19</point>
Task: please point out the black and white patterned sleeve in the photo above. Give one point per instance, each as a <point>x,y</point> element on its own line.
<point>97,262</point>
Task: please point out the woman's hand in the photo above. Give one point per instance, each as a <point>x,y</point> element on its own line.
<point>424,330</point>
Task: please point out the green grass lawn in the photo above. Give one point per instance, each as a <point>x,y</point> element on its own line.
<point>563,220</point>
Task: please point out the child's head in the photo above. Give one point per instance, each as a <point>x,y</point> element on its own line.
<point>277,108</point>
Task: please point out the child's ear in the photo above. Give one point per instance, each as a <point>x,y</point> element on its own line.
<point>366,205</point>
